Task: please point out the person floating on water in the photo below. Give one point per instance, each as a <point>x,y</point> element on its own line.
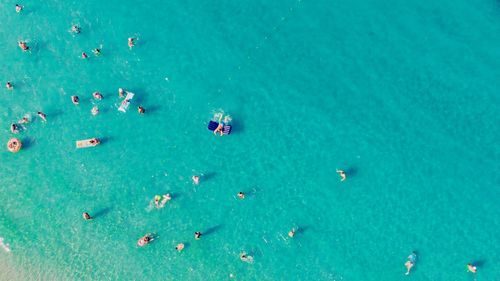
<point>241,195</point>
<point>96,51</point>
<point>412,258</point>
<point>246,258</point>
<point>84,55</point>
<point>131,42</point>
<point>19,8</point>
<point>141,110</point>
<point>9,86</point>
<point>291,233</point>
<point>342,174</point>
<point>97,95</point>
<point>14,128</point>
<point>121,93</point>
<point>146,239</point>
<point>471,268</point>
<point>24,120</point>
<point>197,235</point>
<point>42,116</point>
<point>86,216</point>
<point>75,29</point>
<point>179,247</point>
<point>196,179</point>
<point>75,99</point>
<point>23,46</point>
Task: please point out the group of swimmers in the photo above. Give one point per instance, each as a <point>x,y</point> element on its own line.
<point>15,128</point>
<point>98,96</point>
<point>160,201</point>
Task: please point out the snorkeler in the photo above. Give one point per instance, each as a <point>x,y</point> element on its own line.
<point>97,95</point>
<point>75,29</point>
<point>342,174</point>
<point>196,179</point>
<point>471,268</point>
<point>9,86</point>
<point>179,247</point>
<point>96,51</point>
<point>19,8</point>
<point>84,55</point>
<point>411,262</point>
<point>14,128</point>
<point>86,216</point>
<point>131,42</point>
<point>42,116</point>
<point>141,110</point>
<point>75,99</point>
<point>23,46</point>
<point>197,235</point>
<point>241,195</point>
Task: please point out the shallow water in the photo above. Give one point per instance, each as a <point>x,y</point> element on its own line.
<point>403,96</point>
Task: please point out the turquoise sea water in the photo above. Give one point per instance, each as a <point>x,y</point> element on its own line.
<point>402,95</point>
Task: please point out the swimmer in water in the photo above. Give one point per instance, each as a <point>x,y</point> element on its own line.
<point>23,46</point>
<point>75,29</point>
<point>131,42</point>
<point>241,195</point>
<point>157,201</point>
<point>197,235</point>
<point>75,99</point>
<point>166,198</point>
<point>141,110</point>
<point>179,247</point>
<point>42,116</point>
<point>342,174</point>
<point>291,233</point>
<point>471,268</point>
<point>9,86</point>
<point>24,120</point>
<point>84,55</point>
<point>246,258</point>
<point>196,179</point>
<point>97,96</point>
<point>97,52</point>
<point>14,128</point>
<point>411,262</point>
<point>145,240</point>
<point>121,93</point>
<point>94,110</point>
<point>86,216</point>
<point>19,8</point>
